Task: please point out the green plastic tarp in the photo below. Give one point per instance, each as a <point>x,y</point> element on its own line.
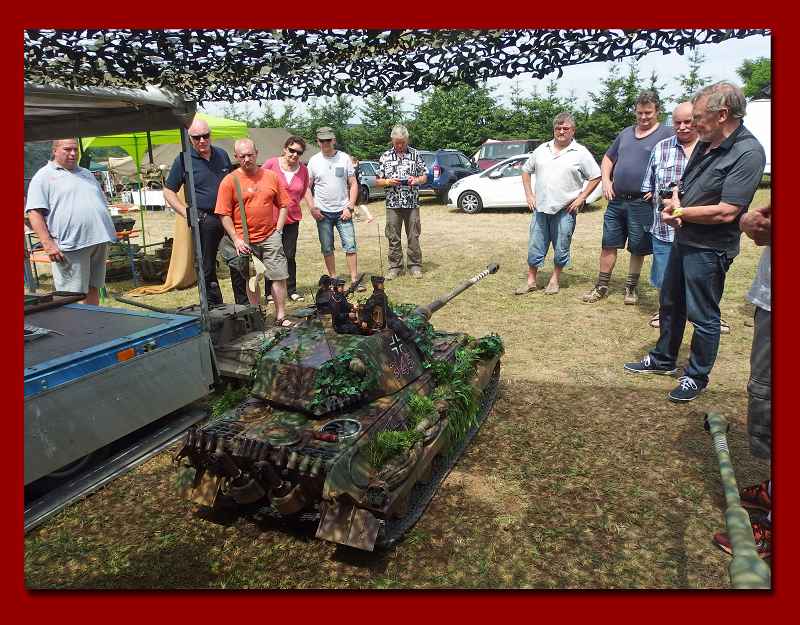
<point>135,143</point>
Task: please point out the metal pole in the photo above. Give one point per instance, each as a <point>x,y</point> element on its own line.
<point>194,225</point>
<point>747,569</point>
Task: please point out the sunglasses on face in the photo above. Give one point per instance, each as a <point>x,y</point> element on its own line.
<point>293,151</point>
<point>200,137</point>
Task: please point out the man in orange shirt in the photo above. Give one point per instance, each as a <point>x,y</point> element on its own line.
<point>261,191</point>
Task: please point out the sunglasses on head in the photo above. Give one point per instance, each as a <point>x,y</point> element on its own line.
<point>205,135</point>
<point>293,151</point>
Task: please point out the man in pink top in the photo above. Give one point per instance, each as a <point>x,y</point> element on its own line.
<point>262,193</point>
<point>295,175</point>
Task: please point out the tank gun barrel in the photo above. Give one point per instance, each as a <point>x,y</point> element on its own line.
<point>427,311</point>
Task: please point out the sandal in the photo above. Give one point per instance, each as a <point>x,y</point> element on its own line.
<point>724,327</point>
<point>296,297</point>
<point>654,321</point>
<point>283,323</point>
<point>525,289</point>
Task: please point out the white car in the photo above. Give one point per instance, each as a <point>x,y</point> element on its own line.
<point>499,186</point>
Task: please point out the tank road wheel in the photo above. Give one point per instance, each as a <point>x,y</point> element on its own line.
<point>363,194</point>
<point>470,202</point>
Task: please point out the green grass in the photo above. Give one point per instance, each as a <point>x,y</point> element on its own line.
<point>582,477</point>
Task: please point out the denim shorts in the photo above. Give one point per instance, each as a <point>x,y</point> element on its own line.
<point>660,257</point>
<point>631,220</point>
<point>347,233</point>
<point>546,229</point>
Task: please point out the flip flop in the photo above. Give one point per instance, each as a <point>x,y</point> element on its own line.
<point>525,289</point>
<point>552,290</point>
<point>296,297</point>
<point>283,323</point>
<point>654,321</point>
<point>724,327</point>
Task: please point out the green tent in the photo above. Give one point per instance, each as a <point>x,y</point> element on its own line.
<point>135,143</point>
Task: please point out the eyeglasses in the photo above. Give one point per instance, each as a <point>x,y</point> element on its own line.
<point>205,135</point>
<point>293,151</point>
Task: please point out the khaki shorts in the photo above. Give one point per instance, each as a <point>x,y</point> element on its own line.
<point>82,269</point>
<point>269,251</point>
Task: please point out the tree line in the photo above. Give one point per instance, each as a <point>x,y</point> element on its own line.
<point>463,117</point>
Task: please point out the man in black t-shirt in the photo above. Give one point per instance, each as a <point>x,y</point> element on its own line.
<point>718,184</point>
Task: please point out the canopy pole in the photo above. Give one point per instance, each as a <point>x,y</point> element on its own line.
<point>194,225</point>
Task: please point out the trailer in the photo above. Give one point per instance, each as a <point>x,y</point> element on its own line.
<point>105,388</point>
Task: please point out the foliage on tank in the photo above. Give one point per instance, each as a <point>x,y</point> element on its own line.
<point>390,443</point>
<point>345,378</point>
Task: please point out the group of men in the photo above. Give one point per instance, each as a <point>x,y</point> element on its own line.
<point>681,194</point>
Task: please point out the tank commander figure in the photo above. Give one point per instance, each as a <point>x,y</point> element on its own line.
<point>374,312</point>
<point>343,313</point>
<point>323,296</point>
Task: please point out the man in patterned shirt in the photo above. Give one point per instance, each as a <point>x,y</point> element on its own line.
<point>402,170</point>
<point>664,170</point>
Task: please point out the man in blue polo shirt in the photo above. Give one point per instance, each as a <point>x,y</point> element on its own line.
<point>717,186</point>
<point>209,166</point>
<point>68,212</point>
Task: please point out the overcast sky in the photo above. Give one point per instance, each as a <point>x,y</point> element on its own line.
<point>721,61</point>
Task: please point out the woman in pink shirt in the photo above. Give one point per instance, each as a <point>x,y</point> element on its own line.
<point>295,175</point>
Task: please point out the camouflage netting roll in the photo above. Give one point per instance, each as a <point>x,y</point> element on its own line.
<point>233,65</point>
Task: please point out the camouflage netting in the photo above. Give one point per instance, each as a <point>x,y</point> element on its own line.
<point>237,65</point>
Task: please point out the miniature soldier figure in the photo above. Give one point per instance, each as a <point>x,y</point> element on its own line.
<point>373,314</point>
<point>343,315</point>
<point>323,296</point>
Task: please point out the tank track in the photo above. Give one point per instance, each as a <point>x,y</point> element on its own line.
<point>391,532</point>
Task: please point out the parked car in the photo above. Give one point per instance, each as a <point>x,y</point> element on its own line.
<point>492,152</point>
<point>444,168</point>
<point>499,186</point>
<point>368,189</point>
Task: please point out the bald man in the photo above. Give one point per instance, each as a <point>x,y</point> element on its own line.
<point>261,192</point>
<point>664,170</point>
<point>209,166</point>
<point>68,211</point>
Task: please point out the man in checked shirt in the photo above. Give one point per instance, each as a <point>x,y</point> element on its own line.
<point>667,162</point>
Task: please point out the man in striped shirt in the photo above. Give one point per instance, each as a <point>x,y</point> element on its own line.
<point>664,170</point>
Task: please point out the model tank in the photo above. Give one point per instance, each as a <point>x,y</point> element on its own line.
<point>354,417</point>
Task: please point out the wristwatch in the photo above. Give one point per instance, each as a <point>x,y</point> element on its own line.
<point>678,212</point>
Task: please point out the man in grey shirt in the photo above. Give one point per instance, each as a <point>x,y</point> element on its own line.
<point>717,186</point>
<point>628,215</point>
<point>69,213</point>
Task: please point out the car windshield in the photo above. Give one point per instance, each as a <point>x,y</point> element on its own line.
<point>501,150</point>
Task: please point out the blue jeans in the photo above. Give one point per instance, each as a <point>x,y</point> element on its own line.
<point>660,258</point>
<point>347,233</point>
<point>546,229</point>
<point>692,289</point>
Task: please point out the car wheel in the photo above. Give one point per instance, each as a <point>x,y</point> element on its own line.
<point>363,194</point>
<point>470,202</point>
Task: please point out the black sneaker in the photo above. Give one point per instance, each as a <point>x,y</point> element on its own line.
<point>645,365</point>
<point>687,390</point>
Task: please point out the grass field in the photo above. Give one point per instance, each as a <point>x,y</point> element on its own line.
<point>582,477</point>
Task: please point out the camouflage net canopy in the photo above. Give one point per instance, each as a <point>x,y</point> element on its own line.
<point>237,65</point>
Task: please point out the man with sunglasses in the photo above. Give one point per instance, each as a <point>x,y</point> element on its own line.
<point>332,200</point>
<point>717,186</point>
<point>209,166</point>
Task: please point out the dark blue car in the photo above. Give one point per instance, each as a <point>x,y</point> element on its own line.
<point>444,168</point>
